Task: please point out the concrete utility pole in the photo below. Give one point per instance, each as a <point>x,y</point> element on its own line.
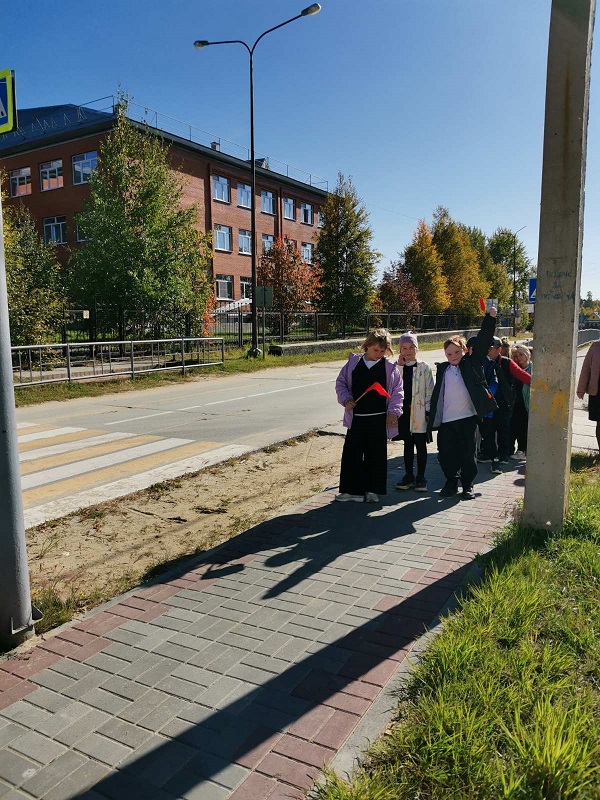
<point>559,262</point>
<point>16,621</point>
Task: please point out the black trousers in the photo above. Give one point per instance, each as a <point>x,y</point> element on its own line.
<point>456,448</point>
<point>364,457</point>
<point>416,441</point>
<point>495,434</point>
<point>519,423</point>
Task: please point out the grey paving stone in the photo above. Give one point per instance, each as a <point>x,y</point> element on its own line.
<point>15,794</point>
<point>258,677</point>
<point>219,689</point>
<point>172,623</point>
<point>124,732</point>
<point>302,632</point>
<point>107,662</point>
<point>78,782</point>
<point>103,749</point>
<point>273,643</point>
<point>10,731</point>
<point>217,653</point>
<point>177,601</point>
<point>74,669</point>
<point>165,761</point>
<point>197,714</point>
<point>171,650</point>
<point>158,717</point>
<point>218,770</point>
<point>52,680</point>
<point>269,717</point>
<point>105,701</point>
<point>228,613</point>
<point>293,650</point>
<point>195,643</point>
<point>124,636</point>
<point>15,769</point>
<point>51,701</point>
<point>51,775</point>
<point>274,665</point>
<point>145,662</point>
<point>82,728</point>
<point>214,630</point>
<point>37,747</point>
<point>123,687</point>
<point>242,642</point>
<point>193,674</point>
<point>24,713</point>
<point>159,671</point>
<point>282,701</point>
<point>190,786</point>
<point>268,618</point>
<point>62,719</point>
<point>92,680</point>
<point>179,688</point>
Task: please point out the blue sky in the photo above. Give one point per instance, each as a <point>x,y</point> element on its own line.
<point>422,102</point>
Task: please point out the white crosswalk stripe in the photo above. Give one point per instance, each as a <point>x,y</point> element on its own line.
<point>69,447</point>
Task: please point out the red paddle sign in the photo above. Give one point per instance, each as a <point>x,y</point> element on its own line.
<point>482,305</point>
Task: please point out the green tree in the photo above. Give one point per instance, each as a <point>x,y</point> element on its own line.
<point>507,249</point>
<point>460,264</point>
<point>345,254</point>
<point>34,281</point>
<point>295,283</point>
<point>397,292</point>
<point>143,250</point>
<point>494,274</point>
<point>424,267</point>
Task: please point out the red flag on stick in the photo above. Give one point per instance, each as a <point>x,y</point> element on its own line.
<point>375,387</point>
<point>482,305</point>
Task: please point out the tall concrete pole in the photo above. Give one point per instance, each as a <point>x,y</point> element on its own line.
<point>559,262</point>
<point>16,621</point>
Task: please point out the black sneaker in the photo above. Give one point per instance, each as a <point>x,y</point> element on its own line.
<point>483,459</point>
<point>420,485</point>
<point>467,493</point>
<point>450,489</point>
<point>407,482</point>
<point>503,460</point>
<point>496,468</point>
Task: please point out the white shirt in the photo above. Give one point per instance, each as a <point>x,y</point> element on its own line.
<point>457,402</point>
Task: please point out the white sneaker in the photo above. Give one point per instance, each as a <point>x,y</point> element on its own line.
<point>518,456</point>
<point>344,497</point>
<point>371,497</point>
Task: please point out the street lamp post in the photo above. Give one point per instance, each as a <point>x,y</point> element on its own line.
<point>515,279</point>
<point>254,351</point>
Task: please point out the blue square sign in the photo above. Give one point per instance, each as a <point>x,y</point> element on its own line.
<point>8,107</point>
<point>532,289</point>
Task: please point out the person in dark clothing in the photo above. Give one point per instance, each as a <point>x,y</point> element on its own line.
<point>461,397</point>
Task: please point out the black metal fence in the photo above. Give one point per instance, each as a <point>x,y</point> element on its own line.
<point>234,327</point>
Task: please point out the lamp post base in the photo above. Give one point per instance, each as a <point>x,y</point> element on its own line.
<point>254,352</point>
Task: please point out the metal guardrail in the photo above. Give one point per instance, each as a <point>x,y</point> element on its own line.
<point>79,361</point>
<point>586,335</point>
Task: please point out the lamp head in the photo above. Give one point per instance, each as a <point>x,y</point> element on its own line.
<point>200,43</point>
<point>314,9</point>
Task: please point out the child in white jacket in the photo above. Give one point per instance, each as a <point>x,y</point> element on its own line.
<point>417,379</point>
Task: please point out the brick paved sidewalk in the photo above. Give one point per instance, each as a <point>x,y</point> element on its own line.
<point>240,678</point>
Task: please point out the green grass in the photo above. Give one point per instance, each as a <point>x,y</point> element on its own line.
<point>235,362</point>
<point>505,702</point>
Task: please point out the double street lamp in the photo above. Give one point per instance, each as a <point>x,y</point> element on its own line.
<point>515,279</point>
<point>254,351</point>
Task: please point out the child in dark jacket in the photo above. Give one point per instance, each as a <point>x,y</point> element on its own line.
<point>461,397</point>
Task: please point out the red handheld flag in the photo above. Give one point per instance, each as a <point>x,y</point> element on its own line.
<point>375,387</point>
<point>482,305</point>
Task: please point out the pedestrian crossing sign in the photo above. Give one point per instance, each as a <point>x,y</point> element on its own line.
<point>8,107</point>
<point>532,290</point>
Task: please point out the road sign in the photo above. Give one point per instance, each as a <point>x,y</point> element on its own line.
<point>264,296</point>
<point>532,289</point>
<point>530,308</point>
<point>8,106</point>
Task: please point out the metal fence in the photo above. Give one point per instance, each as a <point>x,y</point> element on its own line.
<point>78,361</point>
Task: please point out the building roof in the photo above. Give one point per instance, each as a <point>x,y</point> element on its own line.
<point>48,125</point>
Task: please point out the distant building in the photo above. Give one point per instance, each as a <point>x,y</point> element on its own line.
<point>49,159</point>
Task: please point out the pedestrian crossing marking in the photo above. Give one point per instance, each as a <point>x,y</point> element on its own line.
<point>49,440</point>
<point>80,454</point>
<point>46,431</point>
<point>82,444</point>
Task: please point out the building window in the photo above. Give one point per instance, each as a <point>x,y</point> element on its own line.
<point>79,234</point>
<point>245,241</point>
<point>221,189</point>
<point>267,202</point>
<point>83,166</point>
<point>289,208</point>
<point>291,242</point>
<point>306,213</point>
<point>246,288</point>
<point>320,219</point>
<point>267,242</point>
<point>51,175</point>
<point>224,287</point>
<point>55,230</point>
<point>307,252</point>
<point>222,237</point>
<point>244,195</point>
<point>20,182</point>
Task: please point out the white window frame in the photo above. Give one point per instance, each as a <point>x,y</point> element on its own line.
<point>267,202</point>
<point>79,237</point>
<point>84,165</point>
<point>224,283</point>
<point>20,178</point>
<point>218,232</point>
<point>52,226</point>
<point>245,238</point>
<point>306,213</point>
<point>267,242</point>
<point>221,189</point>
<point>51,171</point>
<point>245,288</point>
<point>286,203</point>
<point>320,218</point>
<point>308,250</point>
<point>244,191</point>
